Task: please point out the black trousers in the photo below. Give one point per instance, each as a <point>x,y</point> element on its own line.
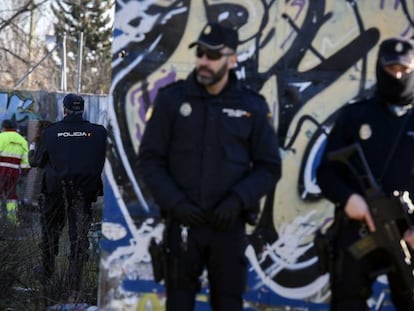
<point>55,209</point>
<point>221,253</point>
<point>352,279</point>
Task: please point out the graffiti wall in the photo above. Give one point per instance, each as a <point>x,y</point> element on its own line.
<point>308,58</point>
<point>42,105</point>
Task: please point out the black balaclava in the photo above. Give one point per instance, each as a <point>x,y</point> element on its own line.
<point>395,91</point>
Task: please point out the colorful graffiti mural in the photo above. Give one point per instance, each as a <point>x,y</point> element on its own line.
<point>308,58</point>
<point>42,105</point>
<point>18,106</point>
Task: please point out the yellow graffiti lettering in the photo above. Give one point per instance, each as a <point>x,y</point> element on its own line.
<point>150,302</point>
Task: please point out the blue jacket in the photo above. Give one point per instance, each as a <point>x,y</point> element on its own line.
<point>202,147</point>
<point>71,149</point>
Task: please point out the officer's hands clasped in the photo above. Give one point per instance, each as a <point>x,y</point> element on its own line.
<point>188,214</point>
<point>221,218</point>
<point>226,213</point>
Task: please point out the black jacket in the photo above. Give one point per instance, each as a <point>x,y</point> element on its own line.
<point>72,149</point>
<point>202,148</point>
<point>375,128</point>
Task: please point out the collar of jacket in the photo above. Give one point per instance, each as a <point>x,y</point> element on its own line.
<point>73,117</point>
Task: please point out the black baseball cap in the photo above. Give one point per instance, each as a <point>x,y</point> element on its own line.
<point>397,50</point>
<point>74,102</point>
<point>9,124</point>
<point>215,37</point>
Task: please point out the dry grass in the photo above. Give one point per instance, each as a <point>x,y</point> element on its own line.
<point>20,288</point>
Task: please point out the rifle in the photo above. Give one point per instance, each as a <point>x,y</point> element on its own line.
<point>389,215</point>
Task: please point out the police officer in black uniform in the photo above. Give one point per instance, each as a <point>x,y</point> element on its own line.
<point>383,126</point>
<point>72,154</point>
<point>208,154</point>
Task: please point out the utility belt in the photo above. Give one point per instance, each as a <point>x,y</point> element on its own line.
<point>167,255</point>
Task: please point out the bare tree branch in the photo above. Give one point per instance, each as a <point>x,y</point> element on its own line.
<point>15,55</point>
<point>27,7</point>
<point>23,9</point>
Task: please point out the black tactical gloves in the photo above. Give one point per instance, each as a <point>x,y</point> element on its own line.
<point>188,214</point>
<point>222,217</point>
<point>227,212</point>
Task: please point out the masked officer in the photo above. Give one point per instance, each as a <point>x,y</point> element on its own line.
<point>13,162</point>
<point>383,126</point>
<point>72,154</point>
<point>208,154</point>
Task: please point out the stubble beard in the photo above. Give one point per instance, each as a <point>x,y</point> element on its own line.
<point>213,78</point>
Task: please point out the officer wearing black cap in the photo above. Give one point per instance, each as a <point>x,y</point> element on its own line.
<point>74,103</point>
<point>383,126</point>
<point>72,154</point>
<point>208,154</point>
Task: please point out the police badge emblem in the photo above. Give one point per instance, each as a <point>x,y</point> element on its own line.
<point>185,109</point>
<point>365,131</point>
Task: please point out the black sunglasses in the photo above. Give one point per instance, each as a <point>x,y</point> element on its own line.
<point>210,54</point>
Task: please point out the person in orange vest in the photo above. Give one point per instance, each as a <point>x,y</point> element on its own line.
<point>13,163</point>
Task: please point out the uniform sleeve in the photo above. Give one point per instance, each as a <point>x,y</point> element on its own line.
<point>39,156</point>
<point>265,159</point>
<point>153,156</point>
<point>101,150</point>
<point>332,175</point>
<point>24,163</point>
